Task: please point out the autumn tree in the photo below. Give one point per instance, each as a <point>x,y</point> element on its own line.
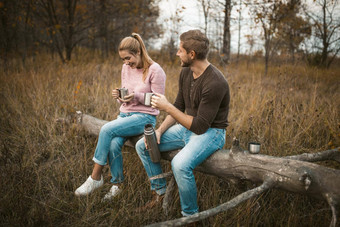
<point>292,29</point>
<point>269,15</point>
<point>206,7</point>
<point>16,28</point>
<point>326,30</point>
<point>60,26</point>
<point>218,13</point>
<point>172,26</point>
<point>239,11</point>
<point>226,32</point>
<point>10,38</point>
<point>113,19</point>
<point>63,22</point>
<point>133,16</point>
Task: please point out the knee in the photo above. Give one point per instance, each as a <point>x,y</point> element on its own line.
<point>116,144</point>
<point>140,147</point>
<point>179,165</point>
<point>104,129</point>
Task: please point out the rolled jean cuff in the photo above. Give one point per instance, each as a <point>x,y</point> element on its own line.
<point>186,214</point>
<point>161,191</point>
<point>98,162</point>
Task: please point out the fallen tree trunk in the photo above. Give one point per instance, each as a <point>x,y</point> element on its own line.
<point>284,173</point>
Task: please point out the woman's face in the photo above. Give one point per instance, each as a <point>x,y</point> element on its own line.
<point>134,61</point>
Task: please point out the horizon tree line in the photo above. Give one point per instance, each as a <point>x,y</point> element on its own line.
<point>287,27</point>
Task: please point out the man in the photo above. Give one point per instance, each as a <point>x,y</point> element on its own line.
<point>195,123</point>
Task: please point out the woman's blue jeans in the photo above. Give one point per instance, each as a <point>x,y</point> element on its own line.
<point>112,137</point>
<point>194,150</point>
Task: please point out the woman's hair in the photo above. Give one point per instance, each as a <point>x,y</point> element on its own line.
<point>134,44</point>
<point>195,40</point>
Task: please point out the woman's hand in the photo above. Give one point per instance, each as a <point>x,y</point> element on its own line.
<point>127,98</point>
<point>115,93</point>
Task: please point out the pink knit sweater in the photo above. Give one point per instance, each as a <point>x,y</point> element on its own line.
<point>132,80</point>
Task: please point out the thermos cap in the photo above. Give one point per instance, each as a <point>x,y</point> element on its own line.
<point>148,129</point>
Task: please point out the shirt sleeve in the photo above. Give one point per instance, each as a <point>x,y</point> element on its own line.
<point>179,102</point>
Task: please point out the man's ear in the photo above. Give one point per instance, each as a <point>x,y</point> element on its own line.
<point>192,54</point>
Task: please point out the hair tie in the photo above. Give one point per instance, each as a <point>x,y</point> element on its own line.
<point>132,36</point>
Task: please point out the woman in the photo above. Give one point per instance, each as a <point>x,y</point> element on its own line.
<point>140,75</point>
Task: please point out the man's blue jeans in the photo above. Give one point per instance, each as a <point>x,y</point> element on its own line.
<point>194,150</point>
<point>112,137</point>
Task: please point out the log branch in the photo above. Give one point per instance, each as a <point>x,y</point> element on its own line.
<point>333,154</point>
<point>223,207</point>
<point>169,189</point>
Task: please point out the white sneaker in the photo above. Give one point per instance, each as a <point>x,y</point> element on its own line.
<point>89,186</point>
<point>114,191</point>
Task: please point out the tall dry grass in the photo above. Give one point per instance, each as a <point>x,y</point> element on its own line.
<point>294,109</point>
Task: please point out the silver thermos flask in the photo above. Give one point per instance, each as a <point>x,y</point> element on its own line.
<point>151,141</point>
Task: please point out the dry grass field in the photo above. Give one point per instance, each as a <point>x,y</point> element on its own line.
<point>294,109</point>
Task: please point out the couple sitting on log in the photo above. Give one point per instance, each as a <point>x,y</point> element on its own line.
<point>196,122</point>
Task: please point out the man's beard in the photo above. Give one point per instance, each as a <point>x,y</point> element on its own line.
<point>187,63</point>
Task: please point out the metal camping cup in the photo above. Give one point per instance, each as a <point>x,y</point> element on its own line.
<point>151,141</point>
<point>147,99</point>
<point>123,92</point>
<point>254,148</point>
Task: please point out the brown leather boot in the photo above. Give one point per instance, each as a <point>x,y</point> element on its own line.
<point>155,201</point>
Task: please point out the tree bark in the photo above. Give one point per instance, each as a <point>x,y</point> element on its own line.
<point>285,173</point>
<point>226,32</point>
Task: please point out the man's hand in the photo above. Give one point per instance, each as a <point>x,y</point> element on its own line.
<point>159,101</point>
<point>158,137</point>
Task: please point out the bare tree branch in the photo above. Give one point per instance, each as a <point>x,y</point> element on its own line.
<point>223,207</point>
<point>333,154</point>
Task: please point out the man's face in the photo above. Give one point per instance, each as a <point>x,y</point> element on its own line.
<point>185,57</point>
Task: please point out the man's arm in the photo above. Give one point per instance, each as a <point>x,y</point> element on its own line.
<point>167,123</point>
<point>160,102</point>
<point>179,116</point>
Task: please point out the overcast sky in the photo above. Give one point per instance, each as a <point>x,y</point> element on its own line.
<point>192,18</point>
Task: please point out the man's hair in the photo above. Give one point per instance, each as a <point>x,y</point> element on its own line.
<point>195,40</point>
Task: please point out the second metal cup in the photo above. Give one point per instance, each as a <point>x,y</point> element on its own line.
<point>147,99</point>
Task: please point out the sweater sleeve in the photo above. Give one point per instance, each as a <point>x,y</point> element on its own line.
<point>156,79</point>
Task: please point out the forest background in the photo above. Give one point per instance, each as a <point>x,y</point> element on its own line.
<point>57,57</point>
